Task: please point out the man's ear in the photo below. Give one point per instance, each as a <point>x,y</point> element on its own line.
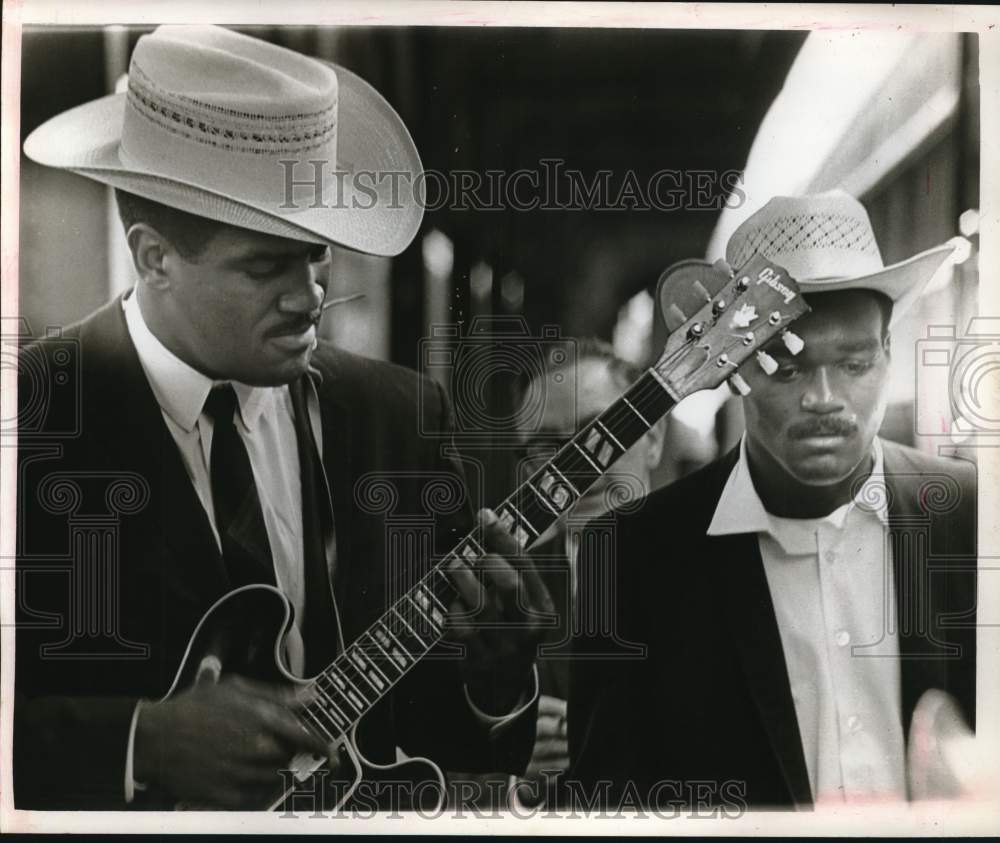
<point>149,251</point>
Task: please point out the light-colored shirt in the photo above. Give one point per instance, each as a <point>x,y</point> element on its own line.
<point>832,588</point>
<point>265,423</point>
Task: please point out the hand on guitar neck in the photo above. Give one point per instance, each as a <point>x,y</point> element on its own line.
<point>219,744</point>
<point>498,617</point>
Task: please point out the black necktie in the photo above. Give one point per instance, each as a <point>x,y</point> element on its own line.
<point>239,519</point>
<point>319,626</point>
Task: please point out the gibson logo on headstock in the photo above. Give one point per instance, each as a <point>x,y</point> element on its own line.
<point>767,276</point>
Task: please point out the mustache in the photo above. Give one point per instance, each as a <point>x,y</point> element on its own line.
<point>822,426</point>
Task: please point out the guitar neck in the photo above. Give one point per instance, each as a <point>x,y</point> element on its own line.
<point>346,690</point>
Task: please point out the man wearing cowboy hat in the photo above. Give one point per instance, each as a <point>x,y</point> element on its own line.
<point>798,596</point>
<point>237,441</point>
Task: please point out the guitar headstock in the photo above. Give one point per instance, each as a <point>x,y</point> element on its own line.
<point>718,319</point>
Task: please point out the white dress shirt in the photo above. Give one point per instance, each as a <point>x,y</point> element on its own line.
<point>831,584</point>
<point>265,424</point>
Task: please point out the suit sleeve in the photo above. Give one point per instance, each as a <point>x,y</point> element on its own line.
<point>69,743</point>
<point>433,714</point>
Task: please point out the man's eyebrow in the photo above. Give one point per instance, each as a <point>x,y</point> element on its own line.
<point>866,344</point>
<point>277,253</point>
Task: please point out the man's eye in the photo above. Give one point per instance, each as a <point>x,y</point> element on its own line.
<point>857,367</point>
<point>786,373</point>
<point>264,269</point>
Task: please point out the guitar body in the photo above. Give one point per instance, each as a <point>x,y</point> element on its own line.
<point>243,634</point>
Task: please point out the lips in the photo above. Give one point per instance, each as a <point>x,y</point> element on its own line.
<point>294,338</point>
<point>291,329</point>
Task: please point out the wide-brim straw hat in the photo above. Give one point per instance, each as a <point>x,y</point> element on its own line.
<point>238,130</point>
<point>826,243</point>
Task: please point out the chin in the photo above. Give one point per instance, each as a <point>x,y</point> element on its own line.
<point>821,470</point>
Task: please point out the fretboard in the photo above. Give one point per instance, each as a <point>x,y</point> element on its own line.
<point>369,667</point>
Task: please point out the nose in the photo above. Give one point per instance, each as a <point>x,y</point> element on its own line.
<point>306,289</point>
<point>819,395</point>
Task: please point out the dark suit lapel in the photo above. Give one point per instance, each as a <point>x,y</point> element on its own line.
<point>922,662</point>
<point>125,397</point>
<point>747,607</point>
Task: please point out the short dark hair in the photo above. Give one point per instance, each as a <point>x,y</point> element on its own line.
<point>188,233</point>
<point>881,299</point>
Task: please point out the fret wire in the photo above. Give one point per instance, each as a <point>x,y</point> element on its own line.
<point>411,645</point>
<point>420,612</point>
<point>443,577</point>
<point>371,653</point>
<point>443,580</point>
<point>372,696</point>
<point>542,498</point>
<point>386,656</point>
<point>423,625</point>
<point>538,516</point>
<point>565,479</point>
<point>586,456</point>
<point>363,672</point>
<point>610,435</point>
<point>322,730</point>
<point>325,713</point>
<point>333,703</point>
<point>399,644</point>
<point>634,410</point>
<point>520,515</point>
<point>428,591</point>
<point>414,634</point>
<point>666,387</point>
<point>340,671</point>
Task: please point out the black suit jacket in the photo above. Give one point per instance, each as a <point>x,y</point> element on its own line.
<point>104,500</point>
<point>709,699</point>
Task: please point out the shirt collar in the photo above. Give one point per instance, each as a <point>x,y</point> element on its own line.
<point>181,390</point>
<point>740,509</point>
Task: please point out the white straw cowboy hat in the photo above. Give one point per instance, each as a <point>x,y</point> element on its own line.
<point>210,114</point>
<point>826,243</point>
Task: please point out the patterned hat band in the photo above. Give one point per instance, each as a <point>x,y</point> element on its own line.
<point>228,129</point>
<point>210,145</point>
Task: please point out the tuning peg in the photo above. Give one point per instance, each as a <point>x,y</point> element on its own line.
<point>738,385</point>
<point>767,362</point>
<point>793,342</point>
<point>699,288</point>
<point>722,267</point>
<point>674,317</point>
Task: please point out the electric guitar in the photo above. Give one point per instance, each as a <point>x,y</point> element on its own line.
<point>716,320</point>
